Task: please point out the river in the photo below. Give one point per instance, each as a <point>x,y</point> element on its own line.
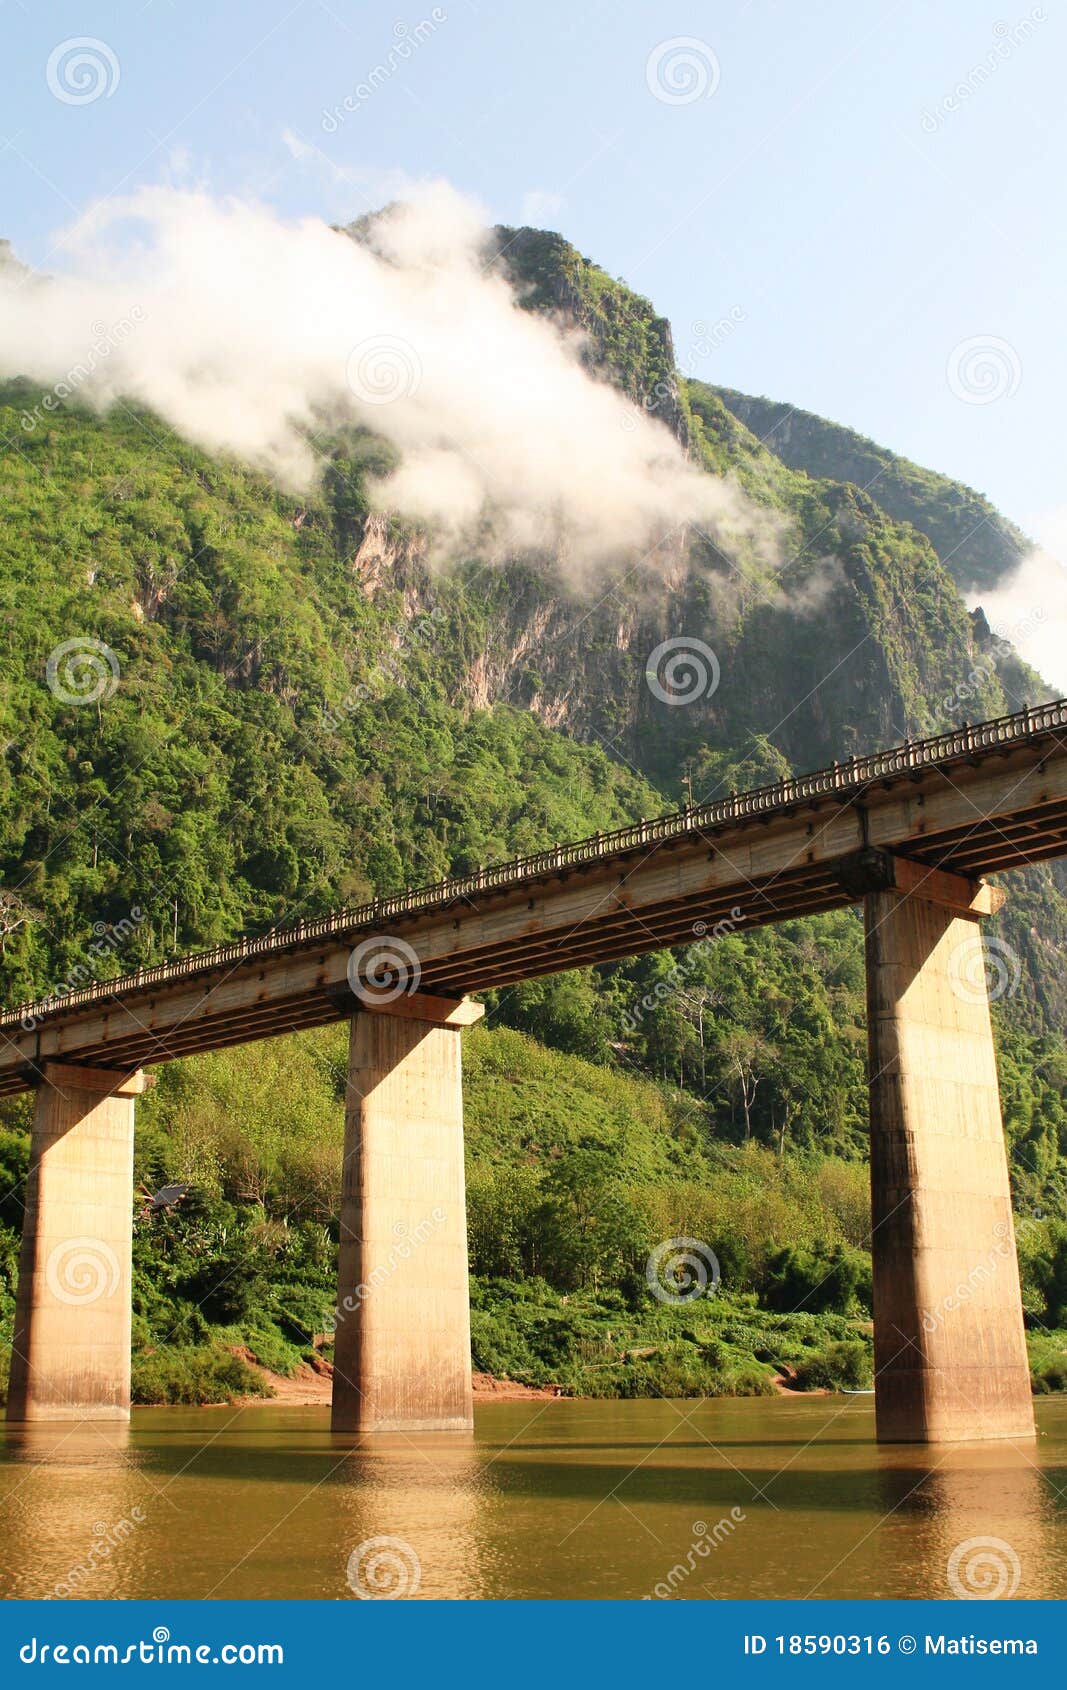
<point>787,1497</point>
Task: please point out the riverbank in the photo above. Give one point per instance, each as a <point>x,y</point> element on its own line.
<point>533,1344</point>
<point>313,1386</point>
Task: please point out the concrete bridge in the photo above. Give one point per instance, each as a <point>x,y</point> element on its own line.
<point>910,832</point>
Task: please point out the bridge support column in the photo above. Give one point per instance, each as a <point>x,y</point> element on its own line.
<point>402,1358</point>
<point>950,1355</point>
<point>70,1355</point>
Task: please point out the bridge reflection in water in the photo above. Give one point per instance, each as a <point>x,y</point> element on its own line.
<point>761,1498</point>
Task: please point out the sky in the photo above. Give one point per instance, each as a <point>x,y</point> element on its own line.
<point>852,206</point>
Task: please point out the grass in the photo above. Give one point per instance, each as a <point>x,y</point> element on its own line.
<point>594,1346</point>
<point>194,1373</point>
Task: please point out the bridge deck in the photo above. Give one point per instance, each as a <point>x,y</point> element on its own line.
<point>977,801</point>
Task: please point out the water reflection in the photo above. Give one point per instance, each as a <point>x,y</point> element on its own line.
<point>971,1519</point>
<point>732,1498</point>
<point>76,1510</point>
<point>425,1497</point>
<point>67,1442</point>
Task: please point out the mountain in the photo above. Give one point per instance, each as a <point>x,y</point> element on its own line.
<point>976,544</point>
<point>306,712</point>
<point>283,705</point>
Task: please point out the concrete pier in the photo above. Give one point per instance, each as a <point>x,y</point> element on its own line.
<point>70,1356</point>
<point>402,1346</point>
<point>950,1355</point>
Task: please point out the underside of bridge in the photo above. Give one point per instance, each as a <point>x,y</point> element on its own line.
<point>908,834</point>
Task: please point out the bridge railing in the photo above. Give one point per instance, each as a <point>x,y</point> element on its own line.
<point>840,778</point>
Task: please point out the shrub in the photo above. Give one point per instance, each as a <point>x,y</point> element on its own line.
<point>1051,1377</point>
<point>271,1349</point>
<point>839,1366</point>
<point>200,1373</point>
<point>669,1375</point>
<point>818,1280</point>
<point>1043,1266</point>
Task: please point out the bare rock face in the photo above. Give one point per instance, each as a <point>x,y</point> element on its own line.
<point>389,556</point>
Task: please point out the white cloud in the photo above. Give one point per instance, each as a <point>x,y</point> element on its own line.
<point>1050,527</point>
<point>1030,607</point>
<point>251,330</point>
<point>296,146</point>
<point>373,186</point>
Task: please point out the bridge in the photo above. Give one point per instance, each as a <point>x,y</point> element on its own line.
<point>910,833</point>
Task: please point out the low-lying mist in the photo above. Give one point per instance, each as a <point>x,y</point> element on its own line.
<point>1028,608</point>
<point>247,332</point>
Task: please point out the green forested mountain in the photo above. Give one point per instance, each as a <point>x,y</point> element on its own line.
<point>306,713</point>
<point>977,545</point>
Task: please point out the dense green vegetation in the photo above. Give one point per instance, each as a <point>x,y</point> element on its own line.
<point>275,743</point>
<point>306,714</point>
<point>978,544</point>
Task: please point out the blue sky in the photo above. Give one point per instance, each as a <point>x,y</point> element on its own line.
<point>870,195</point>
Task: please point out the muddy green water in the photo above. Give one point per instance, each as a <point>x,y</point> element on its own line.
<point>547,1499</point>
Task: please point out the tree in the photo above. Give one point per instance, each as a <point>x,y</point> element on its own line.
<point>749,1058</point>
<point>14,913</point>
